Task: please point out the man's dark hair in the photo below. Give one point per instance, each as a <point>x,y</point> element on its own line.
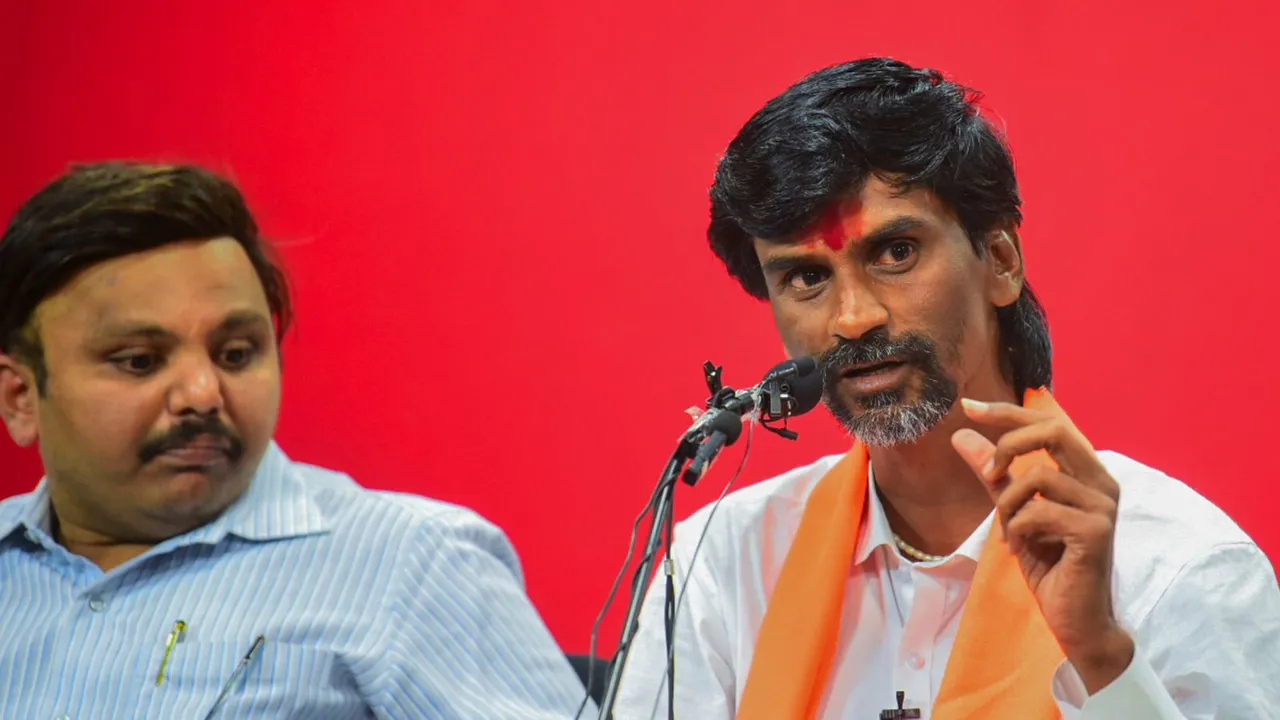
<point>820,140</point>
<point>101,211</point>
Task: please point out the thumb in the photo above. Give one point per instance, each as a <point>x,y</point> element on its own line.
<point>977,452</point>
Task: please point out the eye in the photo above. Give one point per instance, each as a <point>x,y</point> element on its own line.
<point>895,254</point>
<point>136,363</point>
<point>237,356</point>
<point>806,278</point>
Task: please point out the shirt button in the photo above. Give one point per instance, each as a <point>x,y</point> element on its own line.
<point>916,661</point>
<point>97,603</point>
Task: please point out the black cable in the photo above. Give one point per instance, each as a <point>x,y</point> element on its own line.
<point>669,674</point>
<point>613,592</point>
<point>637,581</point>
<point>669,614</point>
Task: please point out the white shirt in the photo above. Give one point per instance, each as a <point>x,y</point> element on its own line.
<point>1198,596</point>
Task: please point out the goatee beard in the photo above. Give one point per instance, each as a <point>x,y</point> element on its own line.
<point>887,417</point>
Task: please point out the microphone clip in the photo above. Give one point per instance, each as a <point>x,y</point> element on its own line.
<point>713,373</point>
<point>720,395</point>
<point>782,404</point>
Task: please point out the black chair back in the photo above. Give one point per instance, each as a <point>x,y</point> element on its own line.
<point>583,665</point>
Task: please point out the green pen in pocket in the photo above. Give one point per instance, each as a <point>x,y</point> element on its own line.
<point>175,637</point>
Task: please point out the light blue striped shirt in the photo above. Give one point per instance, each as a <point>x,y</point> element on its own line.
<point>372,604</point>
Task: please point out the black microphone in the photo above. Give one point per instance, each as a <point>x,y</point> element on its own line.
<point>790,388</point>
<point>725,428</point>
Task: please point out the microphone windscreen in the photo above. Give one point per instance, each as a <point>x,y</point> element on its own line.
<point>804,384</point>
<point>806,389</point>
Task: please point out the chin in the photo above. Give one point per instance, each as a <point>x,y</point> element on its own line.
<point>203,494</point>
<point>888,418</point>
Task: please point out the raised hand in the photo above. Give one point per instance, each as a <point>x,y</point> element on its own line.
<point>1060,524</point>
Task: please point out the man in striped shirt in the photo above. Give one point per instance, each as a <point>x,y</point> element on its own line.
<point>174,563</point>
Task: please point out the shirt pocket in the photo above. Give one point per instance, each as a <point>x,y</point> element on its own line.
<point>282,680</point>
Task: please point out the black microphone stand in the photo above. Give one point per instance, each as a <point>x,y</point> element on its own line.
<point>718,427</point>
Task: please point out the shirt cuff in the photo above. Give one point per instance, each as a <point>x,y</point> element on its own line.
<point>1137,694</point>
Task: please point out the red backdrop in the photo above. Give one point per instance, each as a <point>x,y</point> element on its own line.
<point>494,219</point>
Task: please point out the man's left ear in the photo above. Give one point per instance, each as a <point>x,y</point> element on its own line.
<point>1005,273</point>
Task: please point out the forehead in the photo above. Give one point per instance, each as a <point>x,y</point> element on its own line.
<point>180,286</point>
<point>877,204</point>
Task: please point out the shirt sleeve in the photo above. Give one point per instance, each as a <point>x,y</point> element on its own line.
<point>705,683</point>
<point>1208,650</point>
<point>465,642</point>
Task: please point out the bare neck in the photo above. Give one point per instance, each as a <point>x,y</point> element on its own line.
<point>98,548</point>
<point>102,542</point>
<point>933,500</point>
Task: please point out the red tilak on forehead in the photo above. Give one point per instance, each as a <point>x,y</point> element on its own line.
<point>840,221</point>
<point>831,228</point>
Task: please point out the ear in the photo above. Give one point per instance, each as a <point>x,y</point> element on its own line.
<point>18,400</point>
<point>1005,273</point>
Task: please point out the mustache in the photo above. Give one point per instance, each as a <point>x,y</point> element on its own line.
<point>184,433</point>
<point>876,346</point>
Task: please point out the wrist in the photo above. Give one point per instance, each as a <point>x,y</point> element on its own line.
<point>1102,660</point>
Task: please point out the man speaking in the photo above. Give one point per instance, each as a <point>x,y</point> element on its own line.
<point>971,556</point>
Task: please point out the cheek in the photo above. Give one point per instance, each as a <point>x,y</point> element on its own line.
<point>802,328</point>
<point>951,305</point>
<point>969,324</point>
<point>106,422</point>
<point>253,403</point>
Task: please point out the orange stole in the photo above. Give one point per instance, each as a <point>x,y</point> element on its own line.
<point>1004,655</point>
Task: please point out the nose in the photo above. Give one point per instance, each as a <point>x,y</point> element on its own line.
<point>859,311</point>
<point>197,387</point>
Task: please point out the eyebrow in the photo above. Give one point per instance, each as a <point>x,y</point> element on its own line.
<point>242,320</point>
<point>238,320</point>
<point>903,223</point>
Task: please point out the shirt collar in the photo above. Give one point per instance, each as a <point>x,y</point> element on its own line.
<point>276,505</point>
<point>29,511</point>
<point>876,532</point>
